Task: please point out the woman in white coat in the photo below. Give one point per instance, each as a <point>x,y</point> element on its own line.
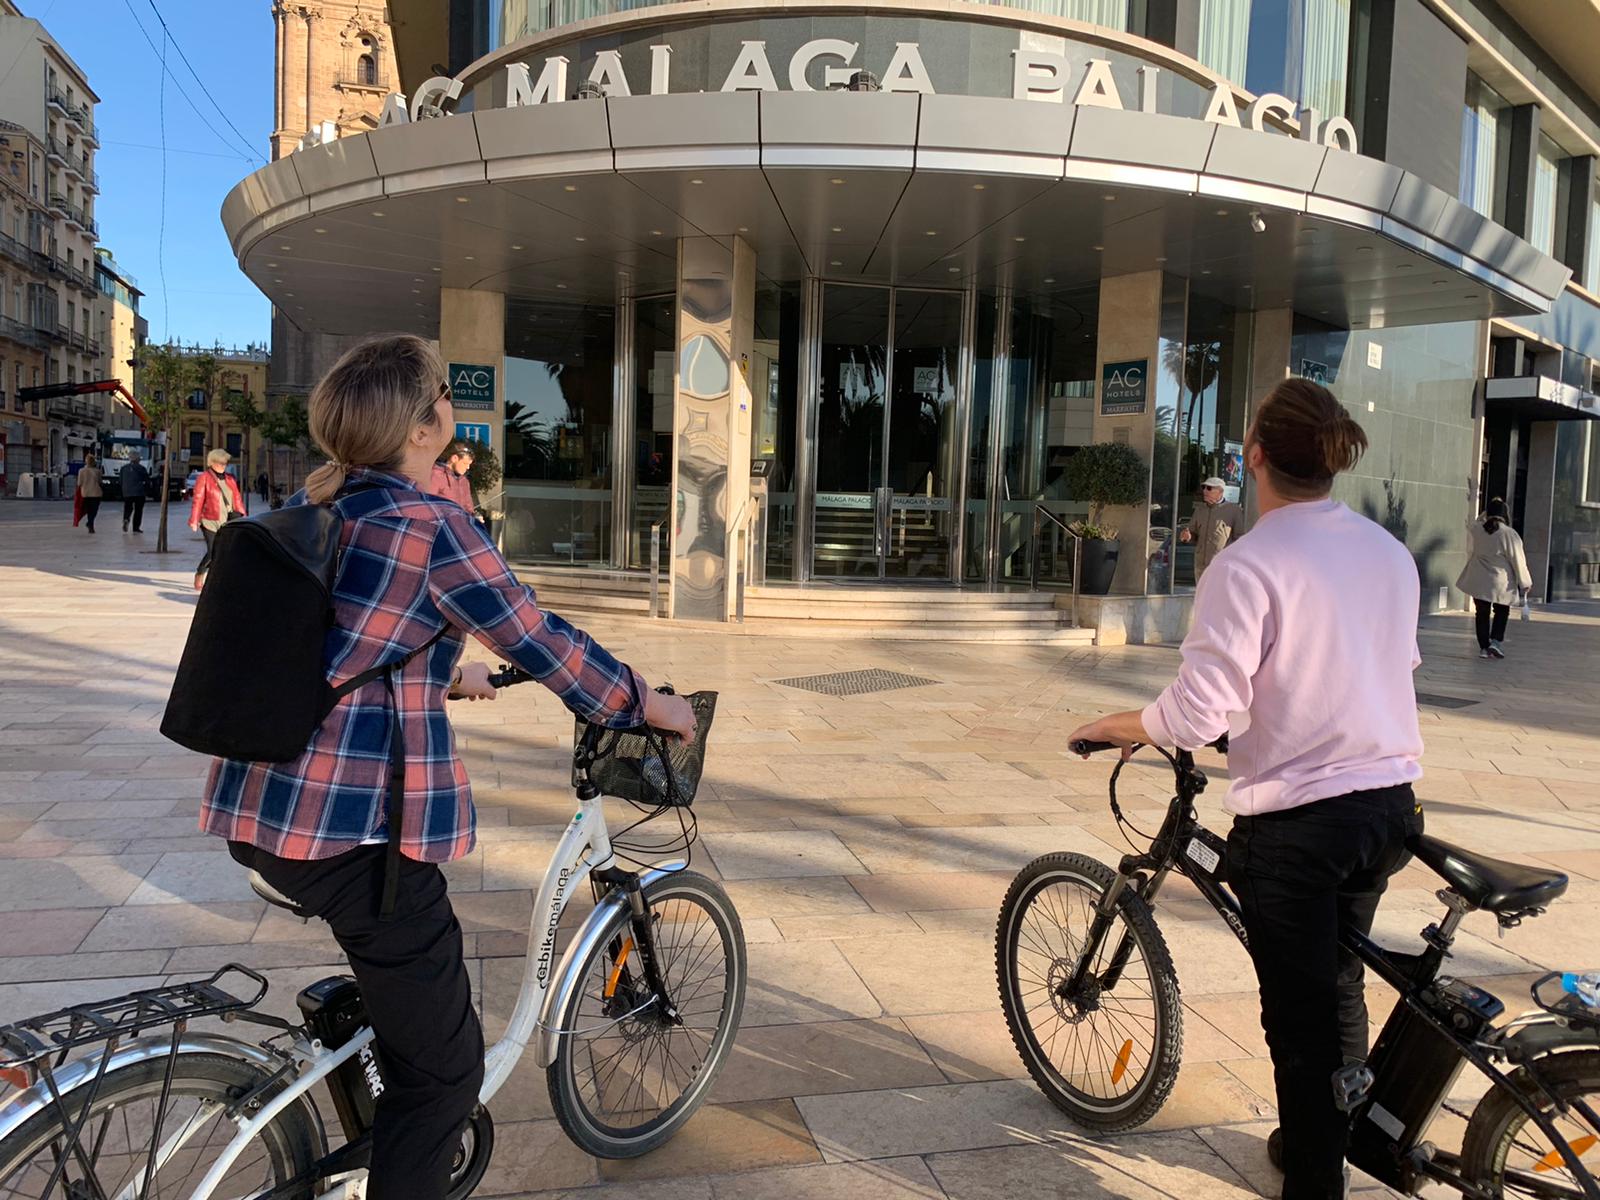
<point>1495,576</point>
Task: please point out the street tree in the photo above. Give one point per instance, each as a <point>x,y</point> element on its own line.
<point>164,376</point>
<point>288,426</point>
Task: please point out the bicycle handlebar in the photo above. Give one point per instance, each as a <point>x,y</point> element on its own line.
<point>1081,746</point>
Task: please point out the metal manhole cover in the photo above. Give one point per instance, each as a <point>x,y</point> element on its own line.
<point>856,683</point>
<point>1433,700</point>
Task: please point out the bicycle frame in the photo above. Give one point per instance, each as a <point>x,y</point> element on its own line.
<point>1408,974</point>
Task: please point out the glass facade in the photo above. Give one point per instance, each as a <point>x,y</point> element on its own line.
<point>1542,214</point>
<point>1298,48</point>
<point>1591,268</point>
<point>654,339</point>
<point>1575,516</point>
<point>1485,149</point>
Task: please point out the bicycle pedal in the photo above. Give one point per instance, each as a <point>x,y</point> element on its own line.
<point>1351,1086</point>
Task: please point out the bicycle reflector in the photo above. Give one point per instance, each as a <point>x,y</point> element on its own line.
<point>21,1077</point>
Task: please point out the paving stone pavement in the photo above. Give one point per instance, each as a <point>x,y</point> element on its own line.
<point>866,841</point>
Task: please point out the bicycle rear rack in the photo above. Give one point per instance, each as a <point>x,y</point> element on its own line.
<point>27,1042</point>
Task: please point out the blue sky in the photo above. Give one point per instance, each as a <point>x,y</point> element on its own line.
<point>230,43</point>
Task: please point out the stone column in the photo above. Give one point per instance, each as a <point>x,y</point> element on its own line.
<point>711,425</point>
<point>280,19</point>
<point>1539,503</point>
<point>312,16</point>
<point>1270,333</point>
<point>472,332</point>
<point>1130,333</point>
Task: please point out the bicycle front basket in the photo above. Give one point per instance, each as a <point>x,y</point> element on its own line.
<point>649,768</point>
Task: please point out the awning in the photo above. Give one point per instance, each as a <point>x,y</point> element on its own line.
<point>585,199</point>
<point>1539,398</point>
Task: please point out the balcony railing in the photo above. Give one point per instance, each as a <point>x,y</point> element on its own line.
<point>75,408</point>
<point>57,204</point>
<point>25,334</point>
<point>73,275</point>
<point>55,151</point>
<point>91,179</point>
<point>23,255</point>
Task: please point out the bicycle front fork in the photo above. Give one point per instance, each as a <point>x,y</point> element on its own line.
<point>641,943</point>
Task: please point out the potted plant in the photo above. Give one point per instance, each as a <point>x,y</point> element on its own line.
<point>1106,474</point>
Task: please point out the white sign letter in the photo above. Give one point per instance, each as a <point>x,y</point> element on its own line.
<point>1339,134</point>
<point>394,111</point>
<point>433,95</point>
<point>1222,109</point>
<point>815,49</point>
<point>660,69</point>
<point>1269,104</point>
<point>906,71</point>
<point>608,74</point>
<point>751,71</point>
<point>1099,88</point>
<point>1147,88</point>
<point>1038,75</point>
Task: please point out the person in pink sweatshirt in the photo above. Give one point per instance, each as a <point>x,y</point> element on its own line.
<point>1302,649</point>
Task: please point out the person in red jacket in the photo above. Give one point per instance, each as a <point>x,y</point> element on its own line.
<point>217,500</point>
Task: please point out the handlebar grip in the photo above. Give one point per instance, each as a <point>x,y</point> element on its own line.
<point>1080,746</point>
<point>508,675</point>
<point>1221,744</point>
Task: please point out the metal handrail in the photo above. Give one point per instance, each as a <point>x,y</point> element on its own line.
<point>655,566</point>
<point>1040,512</point>
<point>748,511</point>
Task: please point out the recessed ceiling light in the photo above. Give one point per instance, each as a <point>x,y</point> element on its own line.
<point>1050,279</point>
<point>1097,247</point>
<point>744,229</point>
<point>835,181</point>
<point>377,212</point>
<point>463,199</point>
<point>655,233</point>
<point>1161,258</point>
<point>930,233</point>
<point>1205,270</point>
<point>277,281</point>
<point>272,264</point>
<point>838,228</point>
<point>417,279</point>
<point>955,270</point>
<point>472,258</point>
<point>290,295</point>
<point>571,187</point>
<point>436,270</point>
<point>1222,212</point>
<point>283,247</point>
<point>1364,249</point>
<point>1322,311</point>
<point>836,263</point>
<point>1019,239</point>
<point>319,230</point>
<point>978,187</point>
<point>697,181</point>
<point>416,291</point>
<point>1109,196</point>
<point>562,286</point>
<point>580,239</point>
<point>516,245</point>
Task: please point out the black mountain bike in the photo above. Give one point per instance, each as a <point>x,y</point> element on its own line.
<point>1091,997</point>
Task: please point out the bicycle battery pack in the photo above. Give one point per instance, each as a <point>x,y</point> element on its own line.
<point>1414,1066</point>
<point>334,1012</point>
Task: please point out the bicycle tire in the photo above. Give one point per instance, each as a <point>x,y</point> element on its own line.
<point>291,1142</point>
<point>592,1132</point>
<point>1135,1106</point>
<point>1498,1120</point>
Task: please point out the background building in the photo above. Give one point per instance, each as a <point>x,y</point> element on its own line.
<point>208,423</point>
<point>46,93</point>
<point>25,262</point>
<point>893,266</point>
<point>119,329</point>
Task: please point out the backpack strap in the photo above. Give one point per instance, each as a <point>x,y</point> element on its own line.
<point>357,682</point>
<point>397,801</point>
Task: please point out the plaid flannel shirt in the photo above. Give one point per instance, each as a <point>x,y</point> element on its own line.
<point>410,565</point>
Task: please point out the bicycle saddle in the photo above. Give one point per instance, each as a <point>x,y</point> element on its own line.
<point>1488,883</point>
<point>272,895</point>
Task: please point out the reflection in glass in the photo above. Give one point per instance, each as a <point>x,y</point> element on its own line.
<point>1215,378</point>
<point>558,384</point>
<point>1298,48</point>
<point>1166,402</point>
<point>921,463</point>
<point>1542,217</point>
<point>853,352</point>
<point>1485,148</point>
<point>654,325</point>
<point>774,386</point>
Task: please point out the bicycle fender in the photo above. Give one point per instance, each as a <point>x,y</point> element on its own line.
<point>81,1073</point>
<point>1535,1037</point>
<point>547,1036</point>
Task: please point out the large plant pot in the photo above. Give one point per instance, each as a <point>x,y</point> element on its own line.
<point>1099,566</point>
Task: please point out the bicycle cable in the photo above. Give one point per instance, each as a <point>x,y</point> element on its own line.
<point>1123,824</point>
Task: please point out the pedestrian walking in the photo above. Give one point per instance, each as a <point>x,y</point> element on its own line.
<point>1215,523</point>
<point>90,491</point>
<point>449,478</point>
<point>134,479</point>
<point>263,486</point>
<point>1496,575</point>
<point>217,500</point>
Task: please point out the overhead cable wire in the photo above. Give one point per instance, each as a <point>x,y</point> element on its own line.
<point>179,48</point>
<point>161,55</point>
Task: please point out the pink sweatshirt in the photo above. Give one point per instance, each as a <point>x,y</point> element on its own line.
<point>1302,648</point>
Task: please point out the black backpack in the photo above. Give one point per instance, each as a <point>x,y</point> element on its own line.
<point>268,603</point>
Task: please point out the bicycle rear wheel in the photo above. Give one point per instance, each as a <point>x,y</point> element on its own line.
<point>627,1074</point>
<point>1105,1051</point>
<point>1508,1155</point>
<point>116,1136</point>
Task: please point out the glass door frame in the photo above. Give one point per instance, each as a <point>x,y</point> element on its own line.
<point>808,413</point>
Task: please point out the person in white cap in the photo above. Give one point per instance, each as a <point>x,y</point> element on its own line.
<point>1214,524</point>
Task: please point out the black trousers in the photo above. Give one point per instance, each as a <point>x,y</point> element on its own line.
<point>133,510</point>
<point>1486,632</point>
<point>91,510</point>
<point>1302,876</point>
<point>210,536</point>
<point>418,999</point>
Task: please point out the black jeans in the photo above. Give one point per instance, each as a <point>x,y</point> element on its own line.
<point>1301,877</point>
<point>91,510</point>
<point>418,999</point>
<point>210,536</point>
<point>133,510</point>
<point>1486,633</point>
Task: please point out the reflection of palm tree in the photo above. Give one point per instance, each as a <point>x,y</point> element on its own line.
<point>1198,365</point>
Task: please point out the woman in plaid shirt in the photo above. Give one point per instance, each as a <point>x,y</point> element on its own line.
<point>413,568</point>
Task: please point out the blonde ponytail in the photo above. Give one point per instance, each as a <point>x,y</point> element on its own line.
<point>364,409</point>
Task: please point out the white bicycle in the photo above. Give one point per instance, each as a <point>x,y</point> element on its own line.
<point>123,1100</point>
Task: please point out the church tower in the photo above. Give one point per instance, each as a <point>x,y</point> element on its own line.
<point>335,62</point>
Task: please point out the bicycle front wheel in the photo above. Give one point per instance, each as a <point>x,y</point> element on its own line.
<point>632,1067</point>
<point>1105,1048</point>
<point>113,1150</point>
<point>1505,1153</point>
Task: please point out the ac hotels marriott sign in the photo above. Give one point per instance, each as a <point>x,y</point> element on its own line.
<point>1036,75</point>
